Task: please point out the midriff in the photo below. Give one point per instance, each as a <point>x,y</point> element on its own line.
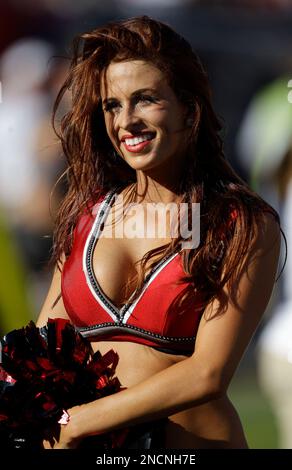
<point>214,424</point>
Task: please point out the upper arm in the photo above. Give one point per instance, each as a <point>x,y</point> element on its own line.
<point>222,339</point>
<point>53,308</point>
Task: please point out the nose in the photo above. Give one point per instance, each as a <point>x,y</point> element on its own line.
<point>128,118</point>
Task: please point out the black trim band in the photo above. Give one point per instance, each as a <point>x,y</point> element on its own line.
<point>116,328</point>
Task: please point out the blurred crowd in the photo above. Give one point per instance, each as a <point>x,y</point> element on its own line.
<point>246,46</point>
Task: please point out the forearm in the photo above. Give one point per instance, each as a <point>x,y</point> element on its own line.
<point>171,390</point>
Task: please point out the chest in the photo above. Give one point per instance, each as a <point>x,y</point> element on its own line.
<point>93,279</point>
<point>120,241</point>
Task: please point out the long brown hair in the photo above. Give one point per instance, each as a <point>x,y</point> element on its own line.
<point>209,179</point>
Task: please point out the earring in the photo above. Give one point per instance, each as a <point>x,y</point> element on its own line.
<point>115,155</point>
<point>189,122</point>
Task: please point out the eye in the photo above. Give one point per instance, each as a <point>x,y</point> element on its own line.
<point>146,98</point>
<point>112,105</point>
<point>109,106</point>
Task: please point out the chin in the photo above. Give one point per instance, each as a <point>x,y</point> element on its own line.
<point>140,162</point>
<point>141,166</point>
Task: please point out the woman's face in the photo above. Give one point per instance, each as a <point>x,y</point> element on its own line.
<point>144,119</point>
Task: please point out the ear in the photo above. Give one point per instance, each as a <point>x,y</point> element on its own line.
<point>193,115</point>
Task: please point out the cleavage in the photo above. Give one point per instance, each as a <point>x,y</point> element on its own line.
<point>113,268</point>
<point>114,258</point>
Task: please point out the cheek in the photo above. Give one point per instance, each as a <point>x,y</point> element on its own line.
<point>168,118</point>
<point>157,118</point>
<point>109,125</point>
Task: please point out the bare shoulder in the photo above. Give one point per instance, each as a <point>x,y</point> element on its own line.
<point>53,306</point>
<point>231,331</point>
<point>267,233</point>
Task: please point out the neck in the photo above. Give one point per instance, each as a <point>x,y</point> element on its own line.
<point>151,190</point>
<point>162,186</point>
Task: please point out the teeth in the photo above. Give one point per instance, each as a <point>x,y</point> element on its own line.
<point>138,140</point>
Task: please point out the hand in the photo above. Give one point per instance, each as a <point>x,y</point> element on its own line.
<point>66,436</point>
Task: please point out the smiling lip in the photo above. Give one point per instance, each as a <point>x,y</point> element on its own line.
<point>138,147</point>
<point>141,145</point>
<point>129,136</point>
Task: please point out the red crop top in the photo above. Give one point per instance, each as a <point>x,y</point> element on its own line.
<point>150,319</point>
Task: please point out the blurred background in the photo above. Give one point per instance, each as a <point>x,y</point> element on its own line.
<point>246,47</point>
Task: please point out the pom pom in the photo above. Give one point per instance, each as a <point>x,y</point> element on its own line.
<point>45,371</point>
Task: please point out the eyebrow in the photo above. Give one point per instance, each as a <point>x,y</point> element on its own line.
<point>135,93</point>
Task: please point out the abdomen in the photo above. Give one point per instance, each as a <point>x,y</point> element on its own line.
<point>215,424</point>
